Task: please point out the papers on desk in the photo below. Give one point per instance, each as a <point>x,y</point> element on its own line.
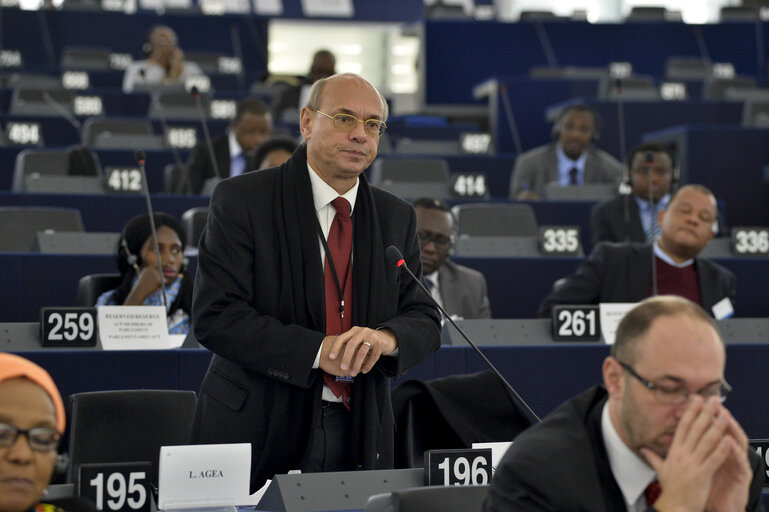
<point>133,328</point>
<point>610,314</point>
<point>206,476</point>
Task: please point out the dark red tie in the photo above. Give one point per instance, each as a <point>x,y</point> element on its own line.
<point>339,313</point>
<point>652,492</point>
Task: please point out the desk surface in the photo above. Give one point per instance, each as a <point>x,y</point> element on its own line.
<point>544,376</point>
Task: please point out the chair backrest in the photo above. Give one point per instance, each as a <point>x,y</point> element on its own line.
<point>19,225</point>
<point>38,161</point>
<point>586,192</point>
<point>480,219</point>
<point>175,103</point>
<point>194,220</point>
<point>715,88</point>
<point>756,114</point>
<point>687,68</point>
<point>32,101</point>
<point>456,498</point>
<point>92,285</point>
<point>407,146</point>
<point>634,87</point>
<point>127,426</point>
<point>176,180</point>
<point>120,134</point>
<point>85,58</point>
<point>386,171</point>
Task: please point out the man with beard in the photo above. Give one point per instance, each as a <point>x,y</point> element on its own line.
<point>622,272</point>
<point>570,160</point>
<point>656,436</point>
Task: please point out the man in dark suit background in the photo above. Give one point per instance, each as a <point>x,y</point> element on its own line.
<point>655,437</point>
<point>570,160</point>
<point>622,272</point>
<point>630,217</point>
<point>459,289</point>
<point>233,150</point>
<point>290,98</point>
<point>274,314</point>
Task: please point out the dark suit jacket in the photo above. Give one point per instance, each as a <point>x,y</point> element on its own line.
<point>622,273</point>
<point>199,164</point>
<point>539,166</point>
<point>561,464</point>
<point>617,220</point>
<point>250,294</point>
<point>463,291</point>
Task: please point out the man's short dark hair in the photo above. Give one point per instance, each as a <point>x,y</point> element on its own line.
<point>431,203</point>
<point>252,105</point>
<point>640,319</point>
<point>270,145</point>
<point>668,149</point>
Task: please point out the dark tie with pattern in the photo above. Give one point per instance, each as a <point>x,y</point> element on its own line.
<point>652,492</point>
<point>573,173</point>
<point>339,313</point>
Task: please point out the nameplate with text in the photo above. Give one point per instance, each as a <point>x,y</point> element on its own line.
<point>68,327</point>
<point>761,446</point>
<point>206,475</point>
<point>133,328</point>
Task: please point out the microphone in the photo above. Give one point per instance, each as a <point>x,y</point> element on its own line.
<point>510,119</point>
<point>141,159</point>
<point>623,156</point>
<point>61,110</point>
<point>196,94</point>
<point>649,164</point>
<point>394,256</point>
<point>186,185</point>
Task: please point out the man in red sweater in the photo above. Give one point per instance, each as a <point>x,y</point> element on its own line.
<point>621,272</point>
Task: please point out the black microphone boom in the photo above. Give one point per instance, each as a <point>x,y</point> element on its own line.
<point>196,94</point>
<point>652,209</point>
<point>141,159</point>
<point>394,256</point>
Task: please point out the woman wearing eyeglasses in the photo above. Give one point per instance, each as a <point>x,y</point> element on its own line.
<point>31,423</point>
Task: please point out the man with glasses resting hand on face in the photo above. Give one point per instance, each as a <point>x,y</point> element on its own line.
<point>293,294</point>
<point>459,289</point>
<point>656,437</point>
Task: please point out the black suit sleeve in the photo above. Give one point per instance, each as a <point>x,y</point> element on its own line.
<point>600,226</point>
<point>226,285</point>
<point>582,287</point>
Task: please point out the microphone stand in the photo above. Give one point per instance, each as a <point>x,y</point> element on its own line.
<point>141,159</point>
<point>652,211</point>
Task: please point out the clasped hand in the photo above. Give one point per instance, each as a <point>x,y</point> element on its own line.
<point>355,351</point>
<point>707,466</point>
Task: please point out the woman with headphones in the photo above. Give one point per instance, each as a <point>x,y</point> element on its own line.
<point>140,275</point>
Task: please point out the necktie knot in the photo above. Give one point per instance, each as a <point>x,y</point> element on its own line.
<point>342,206</point>
<point>573,176</point>
<point>652,492</point>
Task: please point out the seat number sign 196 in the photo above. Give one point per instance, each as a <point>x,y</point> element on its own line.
<point>458,467</point>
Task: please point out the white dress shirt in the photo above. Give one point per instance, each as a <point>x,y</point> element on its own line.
<point>632,474</point>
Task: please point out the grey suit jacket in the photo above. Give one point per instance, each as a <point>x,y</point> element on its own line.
<point>463,291</point>
<point>539,166</point>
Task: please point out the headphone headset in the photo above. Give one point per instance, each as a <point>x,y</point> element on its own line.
<point>675,177</point>
<point>133,260</point>
<point>555,133</point>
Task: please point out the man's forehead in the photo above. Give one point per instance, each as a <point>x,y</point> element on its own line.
<point>345,94</point>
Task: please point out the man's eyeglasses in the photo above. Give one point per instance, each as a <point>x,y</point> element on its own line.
<point>41,439</point>
<point>348,122</point>
<point>678,395</point>
<point>441,242</point>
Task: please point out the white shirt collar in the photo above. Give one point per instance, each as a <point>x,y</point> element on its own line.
<point>323,193</point>
<point>631,473</point>
<point>667,259</point>
<point>235,148</point>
